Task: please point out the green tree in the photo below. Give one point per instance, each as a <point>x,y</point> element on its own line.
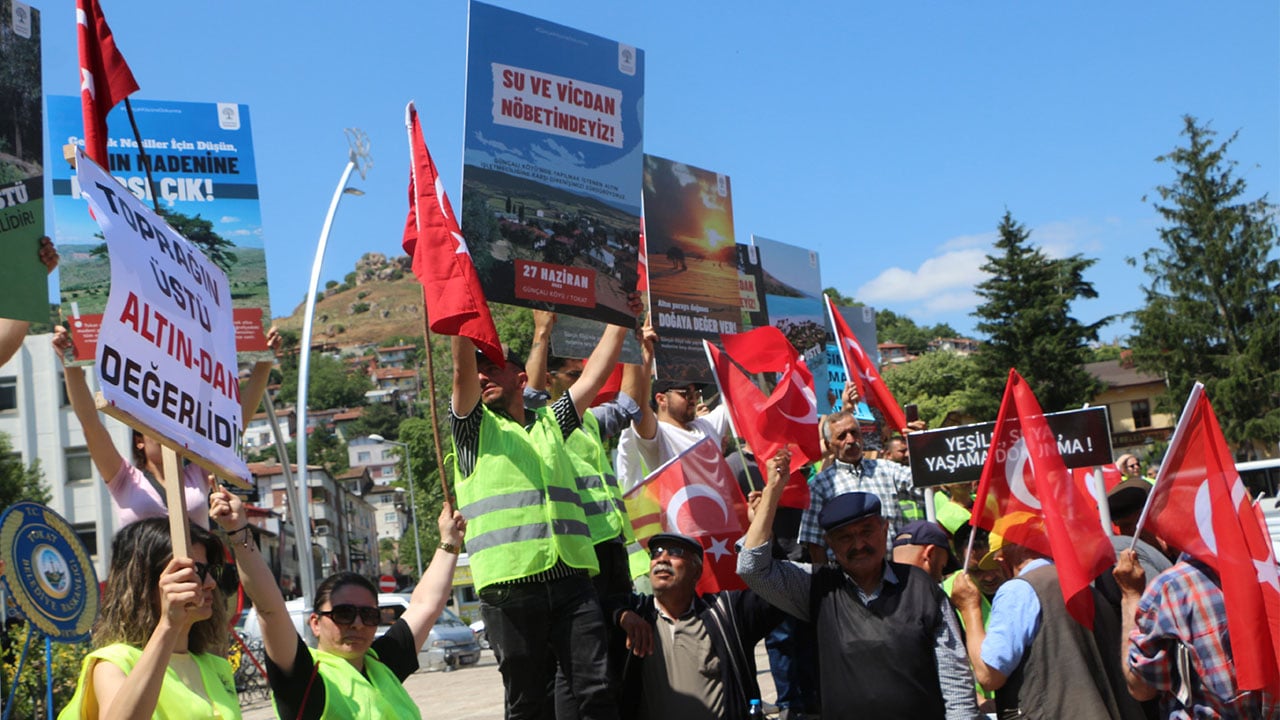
<point>1026,316</point>
<point>840,299</point>
<point>19,482</point>
<point>1212,310</point>
<point>332,383</point>
<point>938,382</point>
<point>427,493</point>
<point>895,328</point>
<point>377,419</point>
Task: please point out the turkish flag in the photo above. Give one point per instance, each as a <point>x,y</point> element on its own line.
<point>787,416</point>
<point>642,258</point>
<point>695,494</point>
<point>860,371</point>
<point>450,287</point>
<point>1027,495</point>
<point>1200,506</point>
<point>105,78</point>
<point>612,386</point>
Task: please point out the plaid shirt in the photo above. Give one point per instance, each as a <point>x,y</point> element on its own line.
<point>1183,607</point>
<point>888,480</point>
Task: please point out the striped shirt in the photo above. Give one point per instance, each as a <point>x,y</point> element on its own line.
<point>466,443</point>
<point>889,481</point>
<point>1184,608</point>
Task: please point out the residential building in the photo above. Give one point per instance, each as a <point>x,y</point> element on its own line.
<point>399,356</point>
<point>1130,396</point>
<point>959,346</point>
<point>894,353</point>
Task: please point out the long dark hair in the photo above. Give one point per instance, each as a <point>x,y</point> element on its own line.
<point>131,599</point>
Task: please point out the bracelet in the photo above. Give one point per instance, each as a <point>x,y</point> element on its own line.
<point>449,547</point>
<point>248,535</point>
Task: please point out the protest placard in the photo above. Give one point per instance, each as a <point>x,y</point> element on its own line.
<point>693,264</point>
<point>552,166</point>
<point>755,308</point>
<point>202,164</point>
<point>957,454</point>
<point>23,277</point>
<point>862,321</point>
<point>166,355</point>
<point>793,290</point>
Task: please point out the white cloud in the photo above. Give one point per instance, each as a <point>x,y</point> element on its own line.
<point>227,220</point>
<point>964,242</point>
<point>944,274</point>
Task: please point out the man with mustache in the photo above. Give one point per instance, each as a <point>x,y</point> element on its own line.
<point>691,656</point>
<point>888,643</point>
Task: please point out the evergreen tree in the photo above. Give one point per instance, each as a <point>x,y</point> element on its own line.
<point>19,482</point>
<point>1026,316</point>
<point>1212,310</point>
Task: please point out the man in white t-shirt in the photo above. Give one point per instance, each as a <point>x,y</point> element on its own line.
<point>669,423</point>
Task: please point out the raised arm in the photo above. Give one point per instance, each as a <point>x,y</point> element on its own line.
<point>761,530</point>
<point>466,381</point>
<point>637,382</point>
<point>102,450</point>
<point>279,638</point>
<point>433,590</point>
<point>967,600</point>
<point>1132,580</point>
<point>536,366</point>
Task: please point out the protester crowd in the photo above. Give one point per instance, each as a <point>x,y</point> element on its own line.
<point>868,606</point>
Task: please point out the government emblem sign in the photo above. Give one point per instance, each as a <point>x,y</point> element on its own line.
<point>47,571</point>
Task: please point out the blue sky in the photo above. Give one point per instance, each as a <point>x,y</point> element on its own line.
<point>888,136</point>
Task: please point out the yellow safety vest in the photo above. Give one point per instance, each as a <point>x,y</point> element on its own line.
<point>373,695</point>
<point>176,701</point>
<point>521,503</point>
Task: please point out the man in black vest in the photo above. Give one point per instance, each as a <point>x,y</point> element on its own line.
<point>888,643</point>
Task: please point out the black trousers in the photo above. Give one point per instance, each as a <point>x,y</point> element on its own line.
<point>535,627</point>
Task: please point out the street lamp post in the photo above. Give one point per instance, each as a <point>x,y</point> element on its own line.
<point>408,474</point>
<point>357,159</point>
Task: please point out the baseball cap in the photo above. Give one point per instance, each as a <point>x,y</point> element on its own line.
<point>921,532</point>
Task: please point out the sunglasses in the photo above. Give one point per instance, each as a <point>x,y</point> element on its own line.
<point>686,393</point>
<point>346,614</point>
<point>656,551</point>
<point>224,575</point>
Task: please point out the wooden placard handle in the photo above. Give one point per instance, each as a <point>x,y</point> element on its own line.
<point>175,497</point>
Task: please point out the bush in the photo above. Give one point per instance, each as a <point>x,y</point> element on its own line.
<point>28,701</point>
<point>360,307</point>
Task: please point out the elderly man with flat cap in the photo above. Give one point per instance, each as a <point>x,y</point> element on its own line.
<point>888,642</point>
<point>692,657</point>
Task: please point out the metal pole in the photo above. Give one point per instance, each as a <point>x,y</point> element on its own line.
<point>357,158</point>
<point>306,572</point>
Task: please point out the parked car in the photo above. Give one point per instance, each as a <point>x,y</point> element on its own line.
<point>450,644</point>
<point>299,612</point>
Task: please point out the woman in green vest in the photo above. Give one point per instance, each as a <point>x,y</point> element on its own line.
<point>161,638</point>
<point>349,675</point>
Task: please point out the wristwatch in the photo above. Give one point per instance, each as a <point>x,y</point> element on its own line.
<point>449,547</point>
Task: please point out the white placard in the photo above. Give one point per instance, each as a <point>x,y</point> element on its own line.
<point>166,352</point>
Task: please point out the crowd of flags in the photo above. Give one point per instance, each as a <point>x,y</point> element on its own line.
<point>1199,504</point>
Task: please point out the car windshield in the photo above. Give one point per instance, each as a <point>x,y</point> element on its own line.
<point>448,619</point>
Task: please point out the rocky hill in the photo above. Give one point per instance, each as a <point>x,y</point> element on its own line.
<point>380,299</point>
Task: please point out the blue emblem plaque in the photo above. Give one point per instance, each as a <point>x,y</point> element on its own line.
<point>48,572</point>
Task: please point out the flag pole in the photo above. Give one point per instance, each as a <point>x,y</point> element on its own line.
<point>142,154</point>
<point>848,373</point>
<point>706,349</point>
<point>431,400</point>
<point>1196,391</point>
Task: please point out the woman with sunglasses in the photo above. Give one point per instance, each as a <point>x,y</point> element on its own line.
<point>350,674</point>
<point>161,637</point>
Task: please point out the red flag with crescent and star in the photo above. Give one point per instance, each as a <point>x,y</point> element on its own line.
<point>786,417</point>
<point>1200,506</point>
<point>695,494</point>
<point>451,290</point>
<point>105,78</point>
<point>1027,496</point>
<point>859,370</point>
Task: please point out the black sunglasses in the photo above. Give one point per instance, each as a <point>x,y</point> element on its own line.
<point>346,614</point>
<point>223,574</point>
<point>673,550</point>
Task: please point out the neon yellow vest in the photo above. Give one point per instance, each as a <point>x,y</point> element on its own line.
<point>374,695</point>
<point>521,502</point>
<point>596,482</point>
<point>176,701</point>
<point>951,514</point>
